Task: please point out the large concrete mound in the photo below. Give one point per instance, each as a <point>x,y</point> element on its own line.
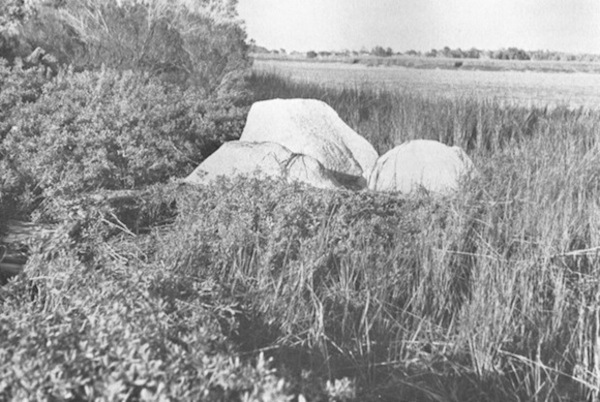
<point>311,127</point>
<point>264,159</point>
<point>425,164</point>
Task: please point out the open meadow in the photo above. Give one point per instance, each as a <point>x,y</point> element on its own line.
<point>120,282</point>
<point>523,82</point>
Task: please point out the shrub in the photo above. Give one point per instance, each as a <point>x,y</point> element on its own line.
<point>120,333</point>
<point>11,12</point>
<point>18,88</point>
<point>110,130</point>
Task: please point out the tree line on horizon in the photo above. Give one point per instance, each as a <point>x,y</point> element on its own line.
<point>510,53</point>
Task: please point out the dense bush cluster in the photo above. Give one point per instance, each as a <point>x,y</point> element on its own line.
<point>121,332</point>
<point>106,130</point>
<point>257,290</point>
<point>142,92</point>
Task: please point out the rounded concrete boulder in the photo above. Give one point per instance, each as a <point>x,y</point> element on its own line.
<point>425,164</point>
<point>311,127</point>
<point>262,159</point>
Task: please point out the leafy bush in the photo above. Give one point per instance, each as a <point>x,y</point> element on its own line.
<point>17,88</point>
<point>123,332</point>
<point>107,130</point>
<point>113,128</point>
<point>11,12</point>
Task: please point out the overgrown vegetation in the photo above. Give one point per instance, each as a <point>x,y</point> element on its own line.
<point>113,115</point>
<point>512,53</point>
<point>105,130</point>
<point>260,290</point>
<point>126,105</point>
<point>489,294</point>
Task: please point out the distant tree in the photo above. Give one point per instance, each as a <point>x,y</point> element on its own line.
<point>412,53</point>
<point>512,53</point>
<point>311,54</point>
<point>500,55</point>
<point>456,54</point>
<point>431,53</point>
<point>518,54</point>
<point>473,53</point>
<point>378,51</point>
<point>381,52</point>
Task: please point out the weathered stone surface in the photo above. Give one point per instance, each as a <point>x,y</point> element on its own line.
<point>311,127</point>
<point>421,164</point>
<point>306,169</point>
<point>264,159</point>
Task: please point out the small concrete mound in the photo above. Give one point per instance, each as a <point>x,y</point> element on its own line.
<point>263,159</point>
<point>425,164</point>
<point>311,127</point>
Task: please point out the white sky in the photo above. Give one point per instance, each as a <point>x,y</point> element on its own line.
<point>562,25</point>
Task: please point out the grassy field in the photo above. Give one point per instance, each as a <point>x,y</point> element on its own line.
<point>516,82</point>
<point>419,62</point>
<point>251,290</point>
<point>118,282</point>
<point>492,295</point>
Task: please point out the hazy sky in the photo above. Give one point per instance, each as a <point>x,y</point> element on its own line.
<point>563,25</point>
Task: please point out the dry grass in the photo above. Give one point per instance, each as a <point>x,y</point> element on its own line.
<point>490,295</point>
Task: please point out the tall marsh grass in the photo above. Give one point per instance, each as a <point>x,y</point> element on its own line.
<point>388,117</point>
<point>260,290</point>
<point>489,295</point>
